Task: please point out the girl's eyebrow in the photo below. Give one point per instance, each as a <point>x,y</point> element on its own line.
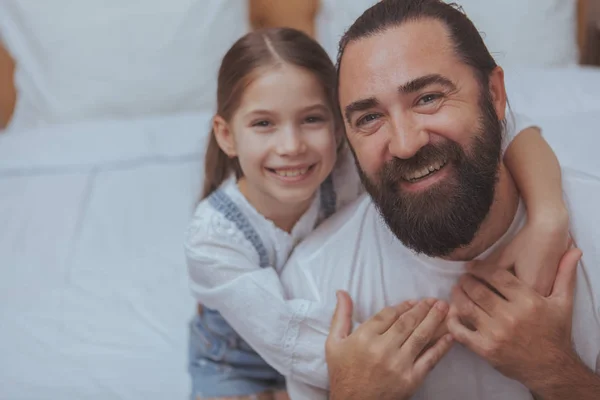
<point>319,106</point>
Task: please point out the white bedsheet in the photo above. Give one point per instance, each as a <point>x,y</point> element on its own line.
<point>94,299</point>
<point>93,290</point>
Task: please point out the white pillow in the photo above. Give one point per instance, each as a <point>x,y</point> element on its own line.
<point>527,32</point>
<point>85,59</point>
<point>553,92</point>
<point>517,32</point>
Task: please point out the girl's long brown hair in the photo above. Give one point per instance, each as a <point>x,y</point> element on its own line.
<point>255,50</point>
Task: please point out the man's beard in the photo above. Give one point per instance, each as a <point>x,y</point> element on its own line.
<point>440,219</point>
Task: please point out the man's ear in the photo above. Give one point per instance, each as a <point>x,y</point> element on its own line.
<point>498,92</point>
<point>224,136</point>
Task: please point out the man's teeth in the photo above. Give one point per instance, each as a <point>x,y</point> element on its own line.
<point>291,172</point>
<point>424,171</point>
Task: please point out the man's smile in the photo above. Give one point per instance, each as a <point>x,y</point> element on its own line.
<point>435,174</point>
<point>424,172</point>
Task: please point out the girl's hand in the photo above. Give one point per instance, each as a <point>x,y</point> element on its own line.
<point>537,249</point>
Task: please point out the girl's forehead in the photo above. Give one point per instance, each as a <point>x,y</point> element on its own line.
<point>283,85</point>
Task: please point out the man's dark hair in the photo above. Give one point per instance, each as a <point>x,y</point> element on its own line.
<point>468,43</point>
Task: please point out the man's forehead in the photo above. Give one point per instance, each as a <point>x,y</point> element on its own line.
<point>402,53</point>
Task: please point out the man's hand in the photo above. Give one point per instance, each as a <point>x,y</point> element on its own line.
<point>525,336</point>
<point>387,357</point>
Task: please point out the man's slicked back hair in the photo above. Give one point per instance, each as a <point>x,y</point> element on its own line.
<point>386,14</point>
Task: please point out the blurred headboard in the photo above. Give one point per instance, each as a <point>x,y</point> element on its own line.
<point>298,14</point>
<point>8,95</point>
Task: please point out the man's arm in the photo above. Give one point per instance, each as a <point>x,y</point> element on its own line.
<point>571,380</point>
<point>298,14</point>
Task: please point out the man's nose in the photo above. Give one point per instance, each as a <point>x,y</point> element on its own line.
<point>290,142</point>
<point>407,138</point>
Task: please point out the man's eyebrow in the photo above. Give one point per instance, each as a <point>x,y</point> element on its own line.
<point>419,83</point>
<point>409,87</point>
<point>359,105</point>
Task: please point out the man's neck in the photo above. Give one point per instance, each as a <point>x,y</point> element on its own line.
<point>497,222</point>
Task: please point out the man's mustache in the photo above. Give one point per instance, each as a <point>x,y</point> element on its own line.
<point>445,152</point>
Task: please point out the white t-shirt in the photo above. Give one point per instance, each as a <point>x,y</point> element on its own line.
<point>227,274</point>
<point>378,271</point>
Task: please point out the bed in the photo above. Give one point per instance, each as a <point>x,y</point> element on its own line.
<point>93,288</point>
<point>96,190</point>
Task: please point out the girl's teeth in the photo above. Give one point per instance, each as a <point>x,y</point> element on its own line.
<point>291,172</point>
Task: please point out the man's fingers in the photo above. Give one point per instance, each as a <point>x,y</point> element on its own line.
<point>481,294</point>
<point>501,280</point>
<point>406,323</point>
<point>423,334</point>
<point>564,285</point>
<point>341,323</point>
<point>462,334</point>
<point>426,362</point>
<point>467,310</point>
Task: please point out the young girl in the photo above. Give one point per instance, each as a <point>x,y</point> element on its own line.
<point>275,168</point>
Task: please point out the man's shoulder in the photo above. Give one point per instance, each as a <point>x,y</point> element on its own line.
<point>582,194</point>
<point>337,228</point>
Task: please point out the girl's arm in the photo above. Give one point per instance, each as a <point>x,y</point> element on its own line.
<point>537,249</point>
<point>537,173</point>
<point>225,276</point>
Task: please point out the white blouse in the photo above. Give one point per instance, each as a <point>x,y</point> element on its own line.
<point>234,264</point>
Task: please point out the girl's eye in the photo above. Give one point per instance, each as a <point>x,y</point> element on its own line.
<point>428,98</point>
<point>314,119</point>
<point>366,119</point>
<point>262,124</point>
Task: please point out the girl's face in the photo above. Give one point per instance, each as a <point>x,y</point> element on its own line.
<point>283,135</point>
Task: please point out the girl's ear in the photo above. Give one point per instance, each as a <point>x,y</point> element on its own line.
<point>224,136</point>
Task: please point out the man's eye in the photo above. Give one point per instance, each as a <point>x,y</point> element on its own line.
<point>366,119</point>
<point>428,98</point>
